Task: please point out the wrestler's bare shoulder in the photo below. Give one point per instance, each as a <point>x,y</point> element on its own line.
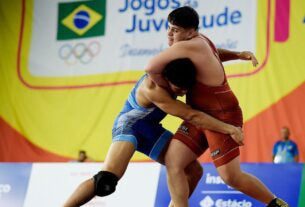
<point>148,85</point>
<point>145,92</point>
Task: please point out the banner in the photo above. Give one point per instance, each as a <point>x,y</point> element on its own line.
<point>213,192</point>
<point>67,67</point>
<point>95,37</point>
<point>60,180</point>
<point>14,180</point>
<point>143,184</point>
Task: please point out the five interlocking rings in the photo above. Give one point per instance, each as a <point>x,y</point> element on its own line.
<point>80,52</point>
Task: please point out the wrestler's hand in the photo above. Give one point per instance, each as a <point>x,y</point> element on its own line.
<point>246,55</point>
<point>237,134</point>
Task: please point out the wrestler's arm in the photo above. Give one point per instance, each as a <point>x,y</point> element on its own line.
<point>166,103</point>
<point>226,55</point>
<point>157,63</point>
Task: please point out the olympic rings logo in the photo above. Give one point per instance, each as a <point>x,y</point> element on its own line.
<point>79,52</point>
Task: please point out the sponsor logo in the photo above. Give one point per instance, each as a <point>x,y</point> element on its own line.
<point>184,129</point>
<point>215,152</point>
<point>4,188</point>
<point>210,179</point>
<point>232,203</point>
<point>209,202</point>
<point>81,19</point>
<point>79,52</point>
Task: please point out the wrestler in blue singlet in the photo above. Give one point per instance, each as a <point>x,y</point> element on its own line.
<point>141,126</point>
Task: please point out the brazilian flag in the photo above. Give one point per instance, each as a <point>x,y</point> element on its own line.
<point>81,19</point>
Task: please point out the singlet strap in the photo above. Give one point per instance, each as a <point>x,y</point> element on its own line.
<point>215,52</point>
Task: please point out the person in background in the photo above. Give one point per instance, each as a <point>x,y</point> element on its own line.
<point>82,156</point>
<point>285,150</point>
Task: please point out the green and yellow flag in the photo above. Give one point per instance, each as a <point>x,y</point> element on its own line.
<point>81,19</point>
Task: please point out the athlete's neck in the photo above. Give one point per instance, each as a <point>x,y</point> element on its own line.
<point>195,34</point>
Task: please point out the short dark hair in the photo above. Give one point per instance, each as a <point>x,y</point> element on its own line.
<point>185,17</point>
<point>181,72</point>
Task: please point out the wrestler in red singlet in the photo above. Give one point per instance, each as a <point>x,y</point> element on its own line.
<point>221,103</point>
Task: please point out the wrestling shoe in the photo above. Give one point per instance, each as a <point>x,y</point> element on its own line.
<point>277,202</point>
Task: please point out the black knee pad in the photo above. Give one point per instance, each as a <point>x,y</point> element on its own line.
<point>277,203</point>
<point>104,183</point>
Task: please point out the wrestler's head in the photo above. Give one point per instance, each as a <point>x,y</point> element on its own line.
<point>182,24</point>
<point>181,75</point>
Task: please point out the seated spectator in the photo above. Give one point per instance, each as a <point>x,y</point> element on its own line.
<point>82,156</point>
<point>285,150</point>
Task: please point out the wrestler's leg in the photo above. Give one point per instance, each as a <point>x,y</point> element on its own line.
<point>81,195</point>
<point>244,182</point>
<point>117,159</point>
<point>177,158</point>
<point>193,172</point>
